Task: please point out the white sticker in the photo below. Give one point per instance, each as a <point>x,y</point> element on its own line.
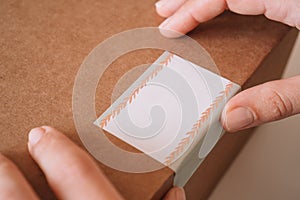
<point>172,106</point>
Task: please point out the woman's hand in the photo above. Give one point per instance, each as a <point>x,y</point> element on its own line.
<point>184,15</point>
<point>263,103</point>
<point>70,171</point>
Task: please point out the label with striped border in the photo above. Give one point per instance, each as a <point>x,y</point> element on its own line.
<point>171,109</point>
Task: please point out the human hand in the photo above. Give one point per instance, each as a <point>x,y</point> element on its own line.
<point>70,171</point>
<point>184,15</point>
<point>263,103</point>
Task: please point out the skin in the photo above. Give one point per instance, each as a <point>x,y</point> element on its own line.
<point>69,170</point>
<point>263,103</point>
<point>77,176</point>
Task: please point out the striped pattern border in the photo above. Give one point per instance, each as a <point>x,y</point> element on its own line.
<point>186,141</point>
<point>135,92</point>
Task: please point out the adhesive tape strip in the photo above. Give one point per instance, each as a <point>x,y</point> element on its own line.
<point>172,96</point>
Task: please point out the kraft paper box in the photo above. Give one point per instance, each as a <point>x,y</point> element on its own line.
<point>43,44</point>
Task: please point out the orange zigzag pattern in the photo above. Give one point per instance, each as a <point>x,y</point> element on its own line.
<point>184,143</point>
<point>135,92</point>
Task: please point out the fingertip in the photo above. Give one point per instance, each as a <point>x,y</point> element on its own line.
<point>42,138</point>
<point>166,8</point>
<point>35,135</point>
<point>223,119</point>
<point>159,6</point>
<point>48,128</point>
<point>180,194</point>
<point>239,118</point>
<point>175,193</point>
<point>169,33</point>
<point>179,23</point>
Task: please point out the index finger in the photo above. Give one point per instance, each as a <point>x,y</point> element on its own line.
<point>190,14</point>
<point>70,171</point>
<point>193,12</point>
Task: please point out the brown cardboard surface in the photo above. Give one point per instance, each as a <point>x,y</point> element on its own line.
<point>43,43</point>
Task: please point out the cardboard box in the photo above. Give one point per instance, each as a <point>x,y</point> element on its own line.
<point>43,44</point>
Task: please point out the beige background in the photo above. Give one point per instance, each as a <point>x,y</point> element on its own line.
<point>269,165</point>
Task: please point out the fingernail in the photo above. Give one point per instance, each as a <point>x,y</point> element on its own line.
<point>165,23</point>
<point>35,135</point>
<point>159,4</point>
<point>238,118</point>
<point>166,29</point>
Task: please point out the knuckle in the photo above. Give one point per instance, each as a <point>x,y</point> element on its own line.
<point>280,105</point>
<point>192,15</point>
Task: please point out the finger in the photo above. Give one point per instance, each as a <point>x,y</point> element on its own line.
<point>193,12</point>
<point>281,10</point>
<point>175,193</point>
<point>71,173</point>
<point>263,103</point>
<point>166,8</point>
<point>190,14</point>
<point>13,185</point>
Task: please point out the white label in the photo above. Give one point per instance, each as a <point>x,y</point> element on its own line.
<point>172,105</point>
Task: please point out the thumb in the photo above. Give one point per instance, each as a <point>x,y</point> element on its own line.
<point>175,193</point>
<point>263,103</point>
